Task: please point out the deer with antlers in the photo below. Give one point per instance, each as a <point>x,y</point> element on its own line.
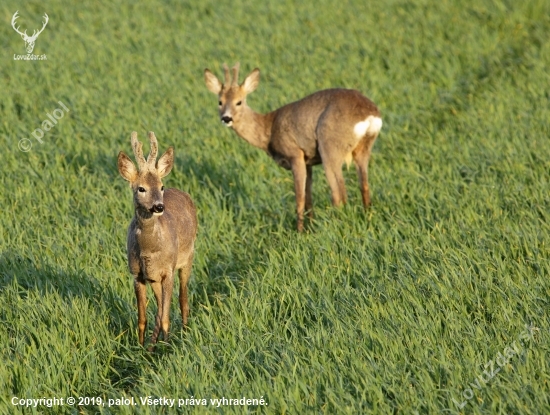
<point>328,127</point>
<point>29,40</point>
<point>161,235</point>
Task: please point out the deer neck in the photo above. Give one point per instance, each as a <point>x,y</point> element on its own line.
<point>255,128</point>
<point>148,230</point>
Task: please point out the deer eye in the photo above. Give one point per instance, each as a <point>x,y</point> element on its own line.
<point>162,188</point>
<point>220,103</point>
<point>239,103</point>
<point>141,189</point>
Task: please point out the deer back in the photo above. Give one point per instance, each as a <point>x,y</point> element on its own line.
<point>330,114</point>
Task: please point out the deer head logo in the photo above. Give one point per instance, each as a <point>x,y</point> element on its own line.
<point>29,40</point>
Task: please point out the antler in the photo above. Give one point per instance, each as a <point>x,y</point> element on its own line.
<point>152,158</point>
<point>138,151</point>
<point>35,35</point>
<point>236,74</point>
<point>13,19</point>
<point>227,80</point>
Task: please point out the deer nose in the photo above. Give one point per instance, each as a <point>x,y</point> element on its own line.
<point>158,208</point>
<point>226,119</point>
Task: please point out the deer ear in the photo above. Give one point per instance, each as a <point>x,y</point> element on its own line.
<point>126,167</point>
<point>251,81</point>
<point>212,83</point>
<point>165,162</point>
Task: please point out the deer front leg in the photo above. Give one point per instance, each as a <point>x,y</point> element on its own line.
<point>184,274</point>
<point>167,287</point>
<point>299,172</point>
<point>141,297</point>
<point>163,294</point>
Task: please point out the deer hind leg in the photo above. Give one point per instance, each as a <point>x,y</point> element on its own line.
<point>361,156</point>
<point>309,185</point>
<point>141,297</point>
<point>337,185</point>
<point>333,171</point>
<point>299,171</point>
<point>184,274</point>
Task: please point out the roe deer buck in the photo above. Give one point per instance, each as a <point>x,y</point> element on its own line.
<point>328,127</point>
<point>161,235</point>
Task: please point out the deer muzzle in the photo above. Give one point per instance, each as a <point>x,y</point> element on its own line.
<point>157,208</point>
<point>227,120</point>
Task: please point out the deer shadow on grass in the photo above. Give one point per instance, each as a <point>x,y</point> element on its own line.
<point>41,276</point>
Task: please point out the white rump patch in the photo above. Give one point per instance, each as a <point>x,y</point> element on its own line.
<point>371,125</point>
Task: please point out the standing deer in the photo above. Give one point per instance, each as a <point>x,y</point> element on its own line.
<point>328,127</point>
<point>29,40</point>
<point>161,235</point>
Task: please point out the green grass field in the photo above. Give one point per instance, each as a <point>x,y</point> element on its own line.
<point>408,308</point>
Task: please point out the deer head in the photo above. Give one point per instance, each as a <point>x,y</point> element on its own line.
<point>231,95</point>
<point>146,179</point>
<point>29,40</point>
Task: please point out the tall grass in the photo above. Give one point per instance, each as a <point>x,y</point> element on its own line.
<point>395,310</point>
